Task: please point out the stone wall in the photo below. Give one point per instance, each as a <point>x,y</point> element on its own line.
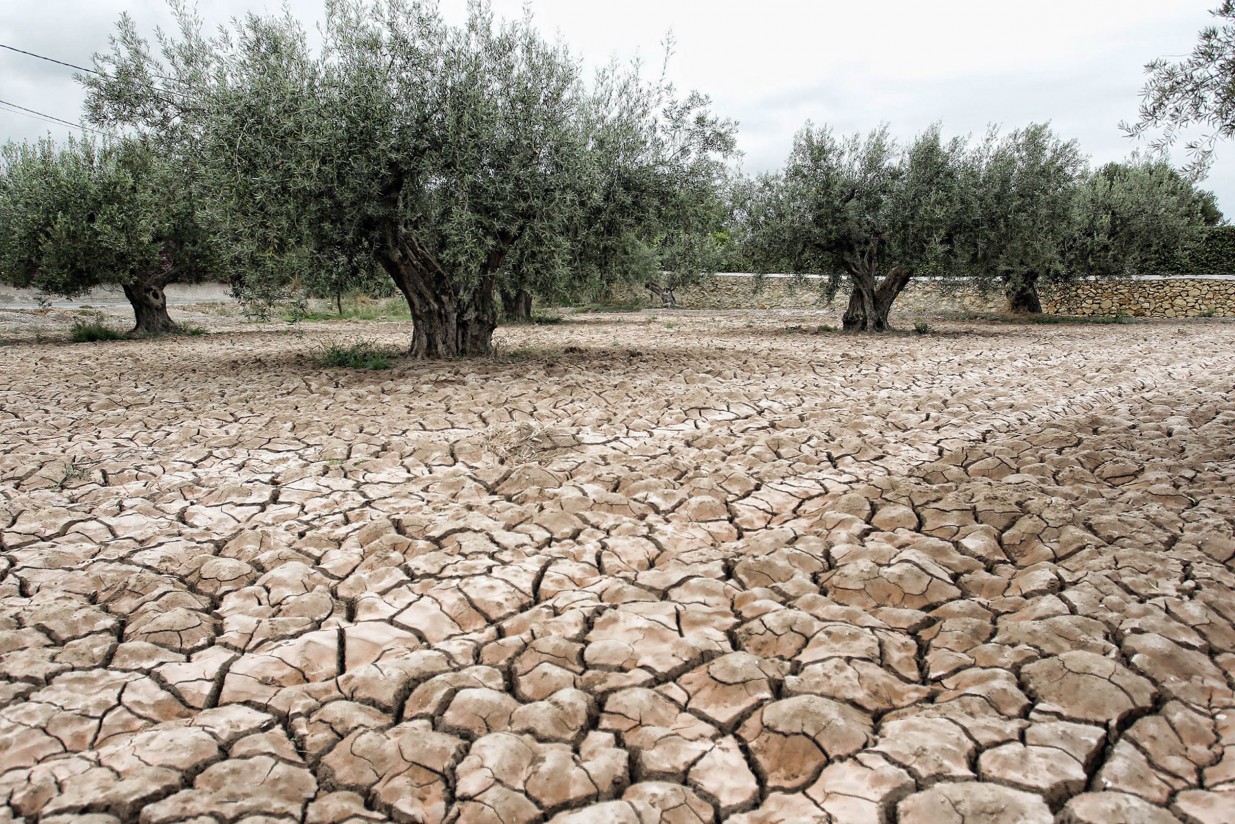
<point>1148,298</point>
<point>1138,297</point>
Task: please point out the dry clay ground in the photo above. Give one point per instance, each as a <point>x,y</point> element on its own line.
<point>651,569</point>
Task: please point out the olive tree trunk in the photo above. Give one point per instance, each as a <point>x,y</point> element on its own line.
<point>664,294</point>
<point>446,321</point>
<point>149,309</point>
<point>1023,296</point>
<point>516,305</point>
<point>870,300</point>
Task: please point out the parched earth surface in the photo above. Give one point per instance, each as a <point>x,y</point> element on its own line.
<point>636,569</point>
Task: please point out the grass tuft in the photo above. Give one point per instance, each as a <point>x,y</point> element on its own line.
<point>361,354</point>
<point>93,330</point>
<point>1118,317</point>
<point>821,329</point>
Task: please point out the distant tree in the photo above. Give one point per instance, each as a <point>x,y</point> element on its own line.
<point>114,214</point>
<point>464,160</point>
<point>1024,219</point>
<point>864,211</point>
<point>1198,90</point>
<point>1140,216</point>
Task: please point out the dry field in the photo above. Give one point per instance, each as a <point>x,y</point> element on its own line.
<point>638,568</point>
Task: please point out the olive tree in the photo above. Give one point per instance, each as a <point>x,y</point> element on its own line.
<point>1044,216</point>
<point>1140,216</point>
<point>459,158</point>
<point>865,211</point>
<point>85,214</point>
<point>1024,214</point>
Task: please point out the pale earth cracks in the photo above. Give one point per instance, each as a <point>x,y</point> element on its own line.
<point>712,570</point>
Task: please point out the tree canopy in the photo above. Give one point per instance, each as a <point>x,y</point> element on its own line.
<point>459,158</point>
<point>91,214</point>
<point>1008,211</point>
<point>864,206</point>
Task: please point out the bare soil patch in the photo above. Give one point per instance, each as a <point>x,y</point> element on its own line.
<point>635,568</point>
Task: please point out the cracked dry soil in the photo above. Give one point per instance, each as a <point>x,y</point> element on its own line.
<point>642,573</point>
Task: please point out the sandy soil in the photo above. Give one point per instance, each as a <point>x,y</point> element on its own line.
<point>637,568</point>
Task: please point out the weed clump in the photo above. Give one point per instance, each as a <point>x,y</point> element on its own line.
<point>93,329</point>
<point>361,354</point>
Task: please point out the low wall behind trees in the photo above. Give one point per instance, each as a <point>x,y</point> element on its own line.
<point>1154,297</point>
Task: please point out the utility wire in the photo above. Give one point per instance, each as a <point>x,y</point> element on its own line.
<point>50,118</point>
<point>48,59</point>
<point>95,71</point>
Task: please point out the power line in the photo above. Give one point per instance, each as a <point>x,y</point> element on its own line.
<point>50,118</point>
<point>153,86</point>
<point>48,59</point>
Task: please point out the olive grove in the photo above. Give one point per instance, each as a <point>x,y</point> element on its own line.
<point>467,161</point>
<point>1006,212</point>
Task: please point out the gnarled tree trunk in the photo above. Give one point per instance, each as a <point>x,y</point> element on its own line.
<point>150,309</point>
<point>516,305</point>
<point>871,298</point>
<point>446,322</point>
<point>1023,296</point>
<point>664,293</point>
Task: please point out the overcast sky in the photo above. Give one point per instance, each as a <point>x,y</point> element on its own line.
<point>771,65</point>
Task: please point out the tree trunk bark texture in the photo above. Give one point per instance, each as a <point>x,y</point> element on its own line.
<point>445,322</point>
<point>870,301</point>
<point>1023,297</point>
<point>664,293</point>
<point>149,309</point>
<point>517,305</point>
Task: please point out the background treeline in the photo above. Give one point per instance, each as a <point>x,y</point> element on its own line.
<point>474,168</point>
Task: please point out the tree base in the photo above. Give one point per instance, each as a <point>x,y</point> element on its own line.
<point>1023,299</point>
<point>149,310</point>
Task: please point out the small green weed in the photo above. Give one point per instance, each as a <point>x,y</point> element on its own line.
<point>362,354</point>
<point>360,307</point>
<point>622,306</point>
<point>1118,317</point>
<point>192,331</point>
<point>93,329</point>
<point>922,328</point>
<point>821,329</point>
<point>73,473</point>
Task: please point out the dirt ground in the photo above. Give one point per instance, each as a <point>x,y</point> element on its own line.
<point>656,567</point>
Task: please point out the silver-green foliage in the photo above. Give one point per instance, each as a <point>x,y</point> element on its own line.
<point>1007,211</point>
<point>866,211</point>
<point>90,214</point>
<point>1136,217</point>
<point>1024,208</point>
<point>456,157</point>
<point>1196,90</point>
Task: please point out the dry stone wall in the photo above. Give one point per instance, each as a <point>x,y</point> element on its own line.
<point>1145,297</point>
<point>1158,297</point>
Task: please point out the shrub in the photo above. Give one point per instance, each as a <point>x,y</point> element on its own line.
<point>357,355</point>
<point>93,330</point>
<point>1214,255</point>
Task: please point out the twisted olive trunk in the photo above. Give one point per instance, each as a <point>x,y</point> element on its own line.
<point>663,293</point>
<point>516,305</point>
<point>149,309</point>
<point>446,322</point>
<point>871,298</point>
<point>1023,296</point>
